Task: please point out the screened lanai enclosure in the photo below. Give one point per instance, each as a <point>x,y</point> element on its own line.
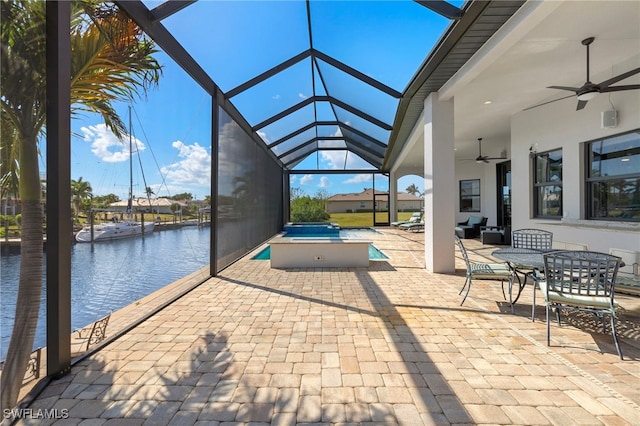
<point>302,94</point>
<point>277,90</point>
<point>257,98</point>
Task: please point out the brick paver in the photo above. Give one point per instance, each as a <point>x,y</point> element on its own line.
<point>388,344</point>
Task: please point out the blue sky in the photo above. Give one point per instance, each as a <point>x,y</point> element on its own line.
<point>385,40</point>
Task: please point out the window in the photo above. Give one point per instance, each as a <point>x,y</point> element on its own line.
<point>613,178</point>
<point>547,187</point>
<point>470,195</point>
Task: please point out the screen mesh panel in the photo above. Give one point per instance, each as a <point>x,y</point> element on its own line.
<point>250,193</point>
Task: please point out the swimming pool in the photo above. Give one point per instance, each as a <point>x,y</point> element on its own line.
<point>319,232</point>
<point>374,254</point>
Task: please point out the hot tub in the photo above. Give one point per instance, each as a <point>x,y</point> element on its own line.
<point>316,229</point>
<point>325,252</point>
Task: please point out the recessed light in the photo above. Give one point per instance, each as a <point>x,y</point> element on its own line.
<point>488,101</point>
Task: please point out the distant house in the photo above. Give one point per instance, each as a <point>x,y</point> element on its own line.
<point>153,205</point>
<point>363,201</point>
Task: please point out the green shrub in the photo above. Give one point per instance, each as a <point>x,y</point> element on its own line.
<point>307,209</point>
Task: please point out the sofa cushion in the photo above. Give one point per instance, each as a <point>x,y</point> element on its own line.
<point>474,220</point>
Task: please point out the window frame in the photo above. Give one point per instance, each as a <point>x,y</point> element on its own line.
<point>472,196</point>
<point>590,180</point>
<point>543,185</point>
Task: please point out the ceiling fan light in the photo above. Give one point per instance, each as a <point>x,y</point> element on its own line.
<point>587,96</point>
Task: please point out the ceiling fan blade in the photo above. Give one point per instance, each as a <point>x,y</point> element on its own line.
<point>581,104</point>
<point>618,78</point>
<point>620,88</point>
<point>572,89</point>
<point>548,102</point>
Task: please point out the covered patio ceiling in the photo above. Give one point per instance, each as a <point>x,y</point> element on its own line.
<point>323,79</point>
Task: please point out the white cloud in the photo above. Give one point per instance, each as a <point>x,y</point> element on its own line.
<point>276,97</point>
<point>359,178</point>
<point>263,135</point>
<point>302,96</point>
<point>306,180</point>
<point>106,146</point>
<point>324,182</point>
<point>194,168</point>
<point>334,159</point>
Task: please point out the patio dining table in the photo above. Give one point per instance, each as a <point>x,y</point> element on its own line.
<point>529,262</point>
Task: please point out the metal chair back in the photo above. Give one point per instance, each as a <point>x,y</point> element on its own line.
<point>463,252</point>
<point>95,334</point>
<point>577,272</point>
<point>482,271</point>
<point>581,280</point>
<point>538,239</point>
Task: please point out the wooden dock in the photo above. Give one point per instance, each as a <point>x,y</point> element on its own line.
<point>12,245</point>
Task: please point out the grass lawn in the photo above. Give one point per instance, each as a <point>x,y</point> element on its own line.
<point>363,219</point>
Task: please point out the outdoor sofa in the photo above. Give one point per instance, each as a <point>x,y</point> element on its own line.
<point>470,228</point>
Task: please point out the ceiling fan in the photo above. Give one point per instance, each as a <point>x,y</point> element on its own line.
<point>589,90</point>
<point>485,159</point>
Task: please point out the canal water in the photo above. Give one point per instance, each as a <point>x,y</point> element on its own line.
<point>110,275</point>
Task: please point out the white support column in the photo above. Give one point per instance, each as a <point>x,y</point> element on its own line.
<point>439,185</point>
<point>393,197</point>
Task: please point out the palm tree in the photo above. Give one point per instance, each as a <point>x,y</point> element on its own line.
<point>8,163</point>
<point>111,62</point>
<point>149,191</point>
<point>413,190</point>
<point>80,192</point>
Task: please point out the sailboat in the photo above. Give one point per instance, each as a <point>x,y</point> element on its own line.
<point>117,229</point>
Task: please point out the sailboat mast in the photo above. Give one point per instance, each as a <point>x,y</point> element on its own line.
<point>130,203</point>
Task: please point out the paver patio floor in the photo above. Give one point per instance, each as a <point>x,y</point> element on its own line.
<point>387,344</point>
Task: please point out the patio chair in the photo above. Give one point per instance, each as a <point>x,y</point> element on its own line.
<point>578,280</point>
<point>537,239</point>
<point>482,271</point>
<point>96,333</point>
<point>415,217</point>
<point>628,278</point>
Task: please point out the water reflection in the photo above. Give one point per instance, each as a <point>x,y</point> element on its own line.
<point>110,275</point>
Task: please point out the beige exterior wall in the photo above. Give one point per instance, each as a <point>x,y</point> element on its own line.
<point>343,206</point>
<point>409,205</point>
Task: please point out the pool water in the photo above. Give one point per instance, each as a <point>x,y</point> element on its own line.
<point>315,232</point>
<point>374,254</point>
<point>322,230</point>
